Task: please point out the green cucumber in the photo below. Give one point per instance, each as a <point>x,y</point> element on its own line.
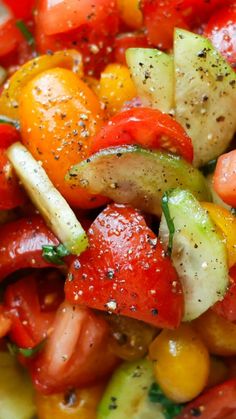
<point>16,392</point>
<point>205,95</point>
<point>126,396</point>
<point>153,74</point>
<point>132,175</point>
<point>199,253</point>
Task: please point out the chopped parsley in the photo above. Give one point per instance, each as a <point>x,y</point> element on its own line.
<point>26,352</point>
<point>170,409</point>
<point>54,254</point>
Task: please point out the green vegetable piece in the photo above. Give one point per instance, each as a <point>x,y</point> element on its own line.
<point>132,175</point>
<point>25,32</point>
<point>16,392</point>
<point>199,253</point>
<point>26,352</point>
<point>169,220</point>
<point>170,409</point>
<point>126,396</point>
<point>54,254</point>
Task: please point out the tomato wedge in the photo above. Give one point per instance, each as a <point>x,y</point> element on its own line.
<point>125,271</point>
<point>31,304</point>
<point>21,244</point>
<point>128,40</point>
<point>224,179</point>
<point>8,135</point>
<point>215,403</point>
<point>149,128</point>
<point>76,353</point>
<point>227,307</point>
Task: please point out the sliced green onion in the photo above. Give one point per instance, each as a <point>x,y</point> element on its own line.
<point>169,220</point>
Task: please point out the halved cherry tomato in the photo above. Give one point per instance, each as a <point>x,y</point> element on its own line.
<point>227,307</point>
<point>31,304</point>
<point>147,127</point>
<point>128,40</point>
<point>125,271</point>
<point>21,9</point>
<point>9,34</point>
<point>21,244</point>
<point>130,13</point>
<point>224,179</point>
<point>76,353</point>
<point>221,29</point>
<point>11,195</point>
<point>58,115</point>
<point>215,403</point>
<point>8,135</point>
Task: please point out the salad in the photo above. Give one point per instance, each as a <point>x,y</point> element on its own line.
<point>117,209</point>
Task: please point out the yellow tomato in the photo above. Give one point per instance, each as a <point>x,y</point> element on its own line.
<point>76,404</point>
<point>226,222</point>
<point>130,13</point>
<point>181,364</point>
<point>218,333</point>
<point>116,87</point>
<point>9,99</point>
<point>59,114</point>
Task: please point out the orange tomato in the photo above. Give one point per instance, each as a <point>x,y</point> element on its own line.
<point>224,179</point>
<point>58,115</point>
<point>130,13</point>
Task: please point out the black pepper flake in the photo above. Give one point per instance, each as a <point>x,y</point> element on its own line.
<point>70,398</point>
<point>113,404</point>
<point>154,311</point>
<point>195,412</point>
<point>110,273</point>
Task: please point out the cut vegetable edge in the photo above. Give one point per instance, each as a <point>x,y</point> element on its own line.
<point>199,253</point>
<point>48,200</point>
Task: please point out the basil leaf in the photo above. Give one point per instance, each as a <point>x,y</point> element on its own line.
<point>169,220</point>
<point>170,409</point>
<point>5,120</point>
<point>26,352</point>
<point>54,254</point>
<point>25,32</point>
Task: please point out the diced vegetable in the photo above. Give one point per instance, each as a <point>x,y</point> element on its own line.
<point>199,253</point>
<point>126,396</point>
<point>153,74</point>
<point>136,176</point>
<point>16,393</point>
<point>205,95</point>
<point>48,200</point>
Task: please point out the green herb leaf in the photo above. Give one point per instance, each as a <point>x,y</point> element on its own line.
<point>209,167</point>
<point>54,254</point>
<point>26,352</point>
<point>25,32</point>
<point>5,120</point>
<point>170,409</point>
<point>169,220</point>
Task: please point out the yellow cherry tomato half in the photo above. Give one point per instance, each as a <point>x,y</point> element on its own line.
<point>226,222</point>
<point>59,114</point>
<point>181,363</point>
<point>130,13</point>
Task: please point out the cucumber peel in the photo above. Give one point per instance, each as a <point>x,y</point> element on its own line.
<point>199,253</point>
<point>136,176</point>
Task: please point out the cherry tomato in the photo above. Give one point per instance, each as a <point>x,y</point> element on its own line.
<point>58,115</point>
<point>5,322</point>
<point>21,9</point>
<point>227,307</point>
<point>76,353</point>
<point>147,127</point>
<point>224,180</point>
<point>9,34</point>
<point>130,13</point>
<point>134,278</point>
<point>128,40</point>
<point>215,403</point>
<point>31,304</point>
<point>11,196</point>
<point>8,135</point>
<point>21,244</point>
<point>219,371</point>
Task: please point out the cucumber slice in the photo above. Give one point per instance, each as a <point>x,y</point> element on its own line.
<point>51,204</point>
<point>132,175</point>
<point>126,396</point>
<point>199,253</point>
<point>153,74</point>
<point>205,95</point>
<point>16,392</point>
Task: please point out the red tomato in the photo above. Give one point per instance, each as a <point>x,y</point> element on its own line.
<point>221,29</point>
<point>128,40</point>
<point>5,322</point>
<point>8,135</point>
<point>76,354</point>
<point>31,304</point>
<point>21,244</point>
<point>215,403</point>
<point>125,271</point>
<point>227,307</point>
<point>9,34</point>
<point>11,196</point>
<point>147,127</point>
<point>224,180</point>
<point>22,9</point>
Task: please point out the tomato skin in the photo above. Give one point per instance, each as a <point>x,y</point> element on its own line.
<point>58,116</point>
<point>145,127</point>
<point>5,322</point>
<point>8,135</point>
<point>227,307</point>
<point>21,244</point>
<point>224,180</point>
<point>31,304</point>
<point>11,196</point>
<point>21,9</point>
<point>125,271</point>
<point>10,37</point>
<point>221,30</point>
<point>128,40</point>
<point>215,403</point>
<point>76,353</point>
